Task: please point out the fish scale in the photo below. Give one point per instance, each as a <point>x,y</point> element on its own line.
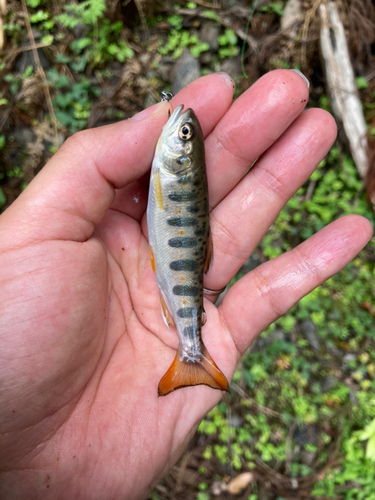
<point>178,227</point>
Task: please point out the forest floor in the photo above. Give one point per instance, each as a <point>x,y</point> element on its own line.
<point>299,419</point>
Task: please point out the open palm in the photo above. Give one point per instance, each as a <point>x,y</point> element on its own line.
<point>82,341</point>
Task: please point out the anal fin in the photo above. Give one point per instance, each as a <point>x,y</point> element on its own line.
<point>184,373</point>
<point>167,316</point>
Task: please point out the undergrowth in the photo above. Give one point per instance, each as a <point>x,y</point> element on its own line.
<point>324,391</point>
<point>302,403</point>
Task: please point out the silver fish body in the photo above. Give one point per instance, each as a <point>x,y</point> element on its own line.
<point>178,229</point>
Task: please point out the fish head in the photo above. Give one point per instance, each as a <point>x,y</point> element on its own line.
<point>181,144</point>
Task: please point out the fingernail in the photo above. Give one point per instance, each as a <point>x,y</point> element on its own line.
<point>155,108</point>
<point>228,79</point>
<point>302,76</point>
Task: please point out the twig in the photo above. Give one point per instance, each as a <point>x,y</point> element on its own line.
<point>288,448</point>
<point>261,408</point>
<point>3,10</point>
<point>305,29</point>
<point>181,471</point>
<point>23,49</point>
<point>41,71</point>
<point>310,190</point>
<point>138,4</point>
<point>207,5</point>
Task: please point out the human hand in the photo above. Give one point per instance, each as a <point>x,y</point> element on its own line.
<point>83,343</point>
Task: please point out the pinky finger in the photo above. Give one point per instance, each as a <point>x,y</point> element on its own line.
<point>268,292</point>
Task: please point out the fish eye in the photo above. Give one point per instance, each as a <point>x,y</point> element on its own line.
<point>186,132</point>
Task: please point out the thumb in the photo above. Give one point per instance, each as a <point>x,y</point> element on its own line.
<point>77,186</point>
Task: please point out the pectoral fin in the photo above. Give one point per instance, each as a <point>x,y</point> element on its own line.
<point>183,373</point>
<point>204,318</point>
<point>158,190</point>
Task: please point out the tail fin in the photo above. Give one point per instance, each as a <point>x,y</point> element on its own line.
<point>186,373</point>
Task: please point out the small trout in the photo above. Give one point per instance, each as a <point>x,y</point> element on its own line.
<point>181,247</point>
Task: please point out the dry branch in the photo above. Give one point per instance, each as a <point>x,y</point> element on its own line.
<point>342,88</point>
<point>41,71</point>
<point>3,10</point>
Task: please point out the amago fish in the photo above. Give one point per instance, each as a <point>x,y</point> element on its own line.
<point>181,247</point>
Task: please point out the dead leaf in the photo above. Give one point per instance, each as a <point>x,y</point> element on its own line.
<point>240,482</point>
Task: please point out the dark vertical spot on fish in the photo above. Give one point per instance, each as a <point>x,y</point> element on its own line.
<point>200,231</point>
<point>190,331</point>
<point>193,209</point>
<point>182,242</point>
<point>182,196</point>
<point>184,179</point>
<point>185,290</point>
<point>182,221</point>
<point>184,265</point>
<point>188,312</point>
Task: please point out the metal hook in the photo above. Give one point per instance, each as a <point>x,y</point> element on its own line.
<point>166,96</point>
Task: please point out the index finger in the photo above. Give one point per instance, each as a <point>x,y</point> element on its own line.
<point>75,189</point>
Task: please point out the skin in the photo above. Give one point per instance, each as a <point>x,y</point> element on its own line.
<point>83,344</point>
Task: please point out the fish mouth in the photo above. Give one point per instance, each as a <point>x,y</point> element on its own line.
<point>176,117</point>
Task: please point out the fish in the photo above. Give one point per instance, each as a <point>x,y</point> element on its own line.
<point>181,247</point>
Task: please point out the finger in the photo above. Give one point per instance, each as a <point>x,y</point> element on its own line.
<point>270,290</point>
<point>72,193</point>
<point>239,222</point>
<point>253,123</point>
<point>209,106</point>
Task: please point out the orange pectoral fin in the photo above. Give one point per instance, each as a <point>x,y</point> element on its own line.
<point>209,254</point>
<point>188,373</point>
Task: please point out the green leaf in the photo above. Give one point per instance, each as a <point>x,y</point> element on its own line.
<point>210,14</point>
<point>62,58</point>
<point>79,45</point>
<point>361,82</point>
<point>39,16</point>
<point>47,39</point>
<point>3,198</point>
<point>33,3</point>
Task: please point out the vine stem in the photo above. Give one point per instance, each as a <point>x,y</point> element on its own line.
<point>41,71</point>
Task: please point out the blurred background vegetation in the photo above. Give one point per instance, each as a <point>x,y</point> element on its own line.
<point>299,419</point>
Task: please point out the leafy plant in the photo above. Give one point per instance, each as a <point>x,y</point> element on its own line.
<point>3,199</point>
<point>228,44</point>
<point>179,39</point>
<point>16,81</point>
<point>102,43</point>
<point>87,12</point>
<point>273,7</point>
<point>73,102</point>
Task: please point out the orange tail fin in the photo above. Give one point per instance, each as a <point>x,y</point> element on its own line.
<point>186,373</point>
